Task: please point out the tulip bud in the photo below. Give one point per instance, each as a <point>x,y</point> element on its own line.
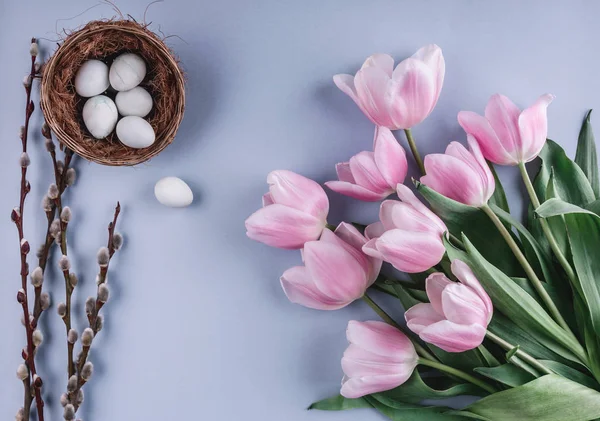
<point>61,309</point>
<point>70,176</point>
<point>103,256</point>
<point>22,372</point>
<point>72,384</point>
<point>44,301</point>
<point>87,337</point>
<point>24,160</point>
<point>37,337</point>
<point>103,293</point>
<point>64,263</point>
<point>69,412</point>
<point>66,214</point>
<point>72,336</point>
<point>37,277</point>
<point>87,371</point>
<point>117,241</point>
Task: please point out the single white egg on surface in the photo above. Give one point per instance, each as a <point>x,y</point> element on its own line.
<point>136,101</point>
<point>100,116</point>
<point>173,192</point>
<point>91,78</point>
<point>127,71</point>
<point>135,132</point>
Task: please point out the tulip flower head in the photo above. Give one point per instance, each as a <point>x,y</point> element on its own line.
<point>335,273</point>
<point>397,98</point>
<point>379,358</point>
<point>460,174</point>
<point>408,235</point>
<point>458,314</point>
<point>294,211</point>
<point>373,176</point>
<point>507,135</point>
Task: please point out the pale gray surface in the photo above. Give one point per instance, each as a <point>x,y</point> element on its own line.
<point>198,327</point>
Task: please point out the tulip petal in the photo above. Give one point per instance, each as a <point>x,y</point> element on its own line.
<point>370,249</point>
<point>410,252</point>
<point>381,339</point>
<point>412,93</point>
<point>371,84</point>
<point>368,264</point>
<point>491,146</point>
<point>284,227</point>
<point>298,192</point>
<point>355,191</point>
<point>390,157</point>
<point>374,230</point>
<point>432,56</point>
<point>453,337</point>
<point>300,289</point>
<point>466,276</point>
<point>450,177</point>
<point>533,127</point>
<point>485,171</point>
<point>335,271</point>
<point>367,174</point>
<point>383,61</point>
<point>267,200</point>
<point>459,151</point>
<point>421,315</point>
<point>407,196</point>
<point>357,387</point>
<point>503,116</point>
<point>358,362</point>
<point>434,285</point>
<point>400,215</point>
<point>462,305</point>
<point>349,234</point>
<point>344,173</point>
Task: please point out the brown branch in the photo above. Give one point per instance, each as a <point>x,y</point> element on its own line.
<point>94,315</point>
<point>22,296</point>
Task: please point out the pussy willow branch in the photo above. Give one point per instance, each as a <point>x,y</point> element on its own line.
<point>34,381</point>
<point>93,316</point>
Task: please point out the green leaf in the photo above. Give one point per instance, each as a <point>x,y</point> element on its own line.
<point>549,398</point>
<point>518,305</point>
<point>585,156</point>
<point>476,225</point>
<point>508,374</point>
<point>570,181</point>
<point>410,412</point>
<point>499,197</point>
<point>415,390</point>
<point>340,403</point>
<point>555,207</point>
<point>571,374</point>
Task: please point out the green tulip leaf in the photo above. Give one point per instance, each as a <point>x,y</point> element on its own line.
<point>586,157</point>
<point>340,403</point>
<point>399,411</point>
<point>508,374</point>
<point>499,197</point>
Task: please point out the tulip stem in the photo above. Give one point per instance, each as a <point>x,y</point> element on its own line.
<point>388,319</point>
<point>546,227</point>
<point>457,373</point>
<point>518,353</point>
<point>535,281</point>
<point>414,150</point>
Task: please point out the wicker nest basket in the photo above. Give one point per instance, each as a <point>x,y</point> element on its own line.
<point>105,40</point>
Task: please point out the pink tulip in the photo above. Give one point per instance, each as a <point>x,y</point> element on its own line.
<point>460,174</point>
<point>372,176</point>
<point>507,135</point>
<point>294,212</point>
<point>335,272</point>
<point>408,235</point>
<point>458,314</point>
<point>379,358</point>
<point>397,98</point>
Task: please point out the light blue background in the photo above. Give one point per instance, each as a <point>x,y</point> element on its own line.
<point>198,327</point>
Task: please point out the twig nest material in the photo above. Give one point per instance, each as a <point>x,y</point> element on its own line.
<point>141,57</point>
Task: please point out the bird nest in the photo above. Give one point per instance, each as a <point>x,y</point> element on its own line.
<point>105,40</point>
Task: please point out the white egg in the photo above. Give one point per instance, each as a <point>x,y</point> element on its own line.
<point>136,101</point>
<point>91,78</point>
<point>100,116</point>
<point>127,71</point>
<point>173,192</point>
<point>135,132</point>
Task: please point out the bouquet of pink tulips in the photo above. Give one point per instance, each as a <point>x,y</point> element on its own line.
<point>496,309</point>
